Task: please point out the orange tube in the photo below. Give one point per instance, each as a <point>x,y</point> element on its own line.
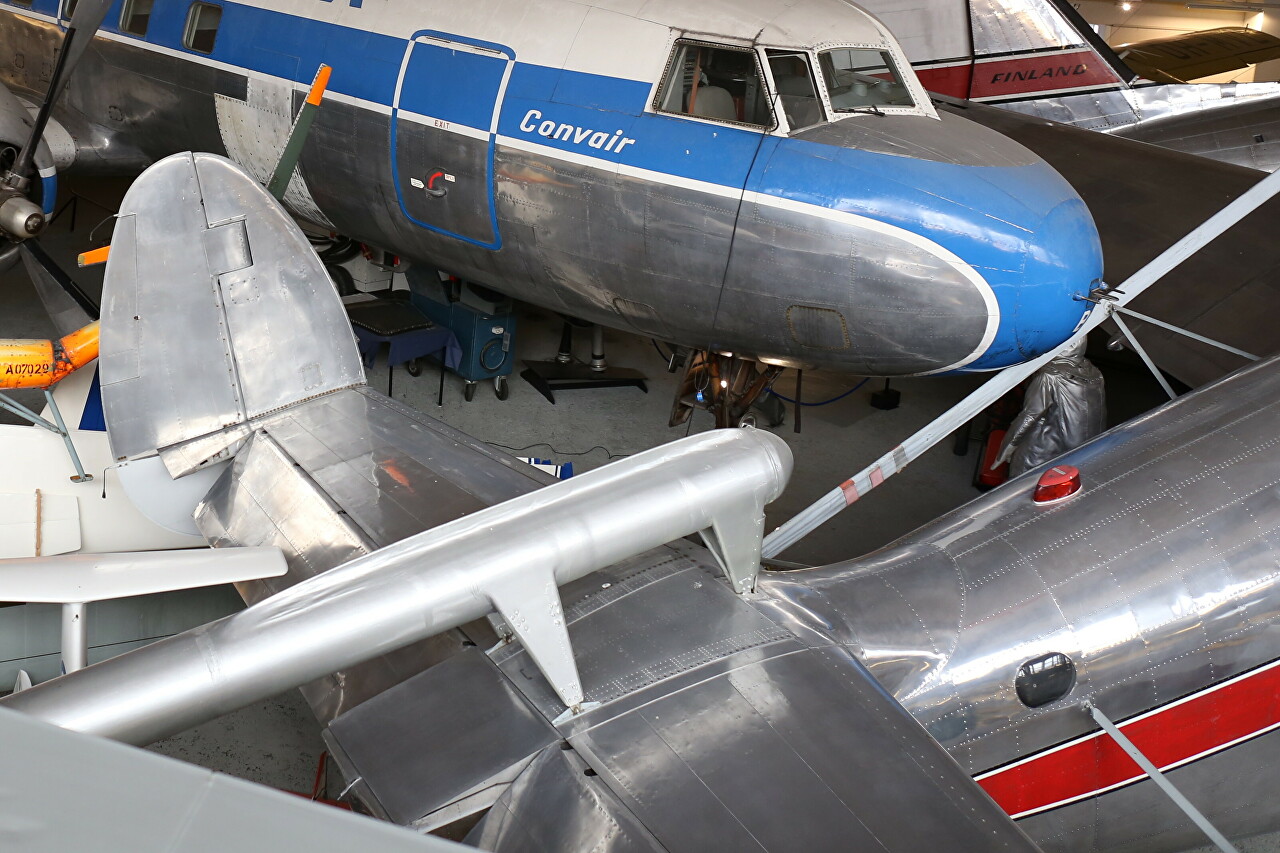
<point>40,364</point>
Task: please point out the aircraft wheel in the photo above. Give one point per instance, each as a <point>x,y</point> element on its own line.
<point>469,391</point>
<point>413,367</point>
<point>501,388</point>
<point>342,279</point>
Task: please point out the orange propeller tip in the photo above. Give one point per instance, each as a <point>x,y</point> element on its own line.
<point>319,85</point>
<point>97,256</point>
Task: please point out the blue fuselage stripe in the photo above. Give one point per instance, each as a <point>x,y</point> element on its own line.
<point>989,216</point>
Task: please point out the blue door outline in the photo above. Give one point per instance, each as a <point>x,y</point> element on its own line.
<point>460,110</point>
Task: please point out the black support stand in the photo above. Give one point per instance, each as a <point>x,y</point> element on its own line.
<point>886,398</point>
<point>564,374</point>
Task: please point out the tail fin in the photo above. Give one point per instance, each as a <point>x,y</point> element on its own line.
<point>215,311</point>
<point>1012,50</point>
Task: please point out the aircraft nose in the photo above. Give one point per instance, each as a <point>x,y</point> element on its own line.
<point>907,246</point>
<point>1038,290</point>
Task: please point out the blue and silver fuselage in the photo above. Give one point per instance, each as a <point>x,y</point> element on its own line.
<point>892,241</point>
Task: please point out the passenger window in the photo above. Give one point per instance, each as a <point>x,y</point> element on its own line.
<point>863,80</point>
<point>1045,679</point>
<point>135,17</point>
<point>793,78</point>
<point>715,82</point>
<point>202,27</point>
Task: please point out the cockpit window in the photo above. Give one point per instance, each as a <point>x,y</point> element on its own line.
<point>793,77</point>
<point>863,80</point>
<point>714,82</point>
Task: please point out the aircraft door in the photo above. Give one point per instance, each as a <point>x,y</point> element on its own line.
<point>444,120</point>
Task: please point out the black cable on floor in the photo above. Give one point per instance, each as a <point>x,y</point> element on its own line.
<point>610,453</point>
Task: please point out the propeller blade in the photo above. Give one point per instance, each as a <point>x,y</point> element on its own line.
<point>68,306</point>
<point>279,182</point>
<point>830,504</point>
<point>86,20</point>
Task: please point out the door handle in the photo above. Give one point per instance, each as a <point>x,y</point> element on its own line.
<point>436,191</point>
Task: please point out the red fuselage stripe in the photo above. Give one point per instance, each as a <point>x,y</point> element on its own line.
<point>1019,75</point>
<point>1175,734</point>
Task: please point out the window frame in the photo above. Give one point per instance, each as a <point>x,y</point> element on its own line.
<point>125,9</point>
<point>921,103</point>
<point>815,77</point>
<point>660,90</point>
<point>1026,681</point>
<point>189,28</point>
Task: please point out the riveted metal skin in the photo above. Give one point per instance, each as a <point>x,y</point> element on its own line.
<point>180,387</point>
<point>1157,579</point>
<point>338,477</point>
<point>761,713</point>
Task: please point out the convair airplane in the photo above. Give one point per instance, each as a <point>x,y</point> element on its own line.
<point>744,177</point>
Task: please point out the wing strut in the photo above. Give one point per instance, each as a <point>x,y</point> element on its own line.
<point>1107,302</point>
<point>1148,766</point>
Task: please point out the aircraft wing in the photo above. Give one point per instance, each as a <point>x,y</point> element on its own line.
<point>746,738</point>
<point>65,793</point>
<point>1143,199</point>
<point>1190,56</point>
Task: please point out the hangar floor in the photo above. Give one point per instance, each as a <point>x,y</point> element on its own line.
<point>275,742</point>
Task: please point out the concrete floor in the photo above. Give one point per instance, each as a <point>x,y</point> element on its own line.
<point>276,742</point>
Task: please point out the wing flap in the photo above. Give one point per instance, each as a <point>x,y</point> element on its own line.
<point>1190,56</point>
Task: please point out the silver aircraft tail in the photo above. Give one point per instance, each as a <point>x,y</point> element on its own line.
<point>187,369</point>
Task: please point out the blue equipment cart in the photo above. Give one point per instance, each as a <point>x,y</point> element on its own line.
<point>483,321</point>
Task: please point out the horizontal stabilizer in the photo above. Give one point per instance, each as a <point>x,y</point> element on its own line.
<point>215,311</point>
<point>35,524</point>
<point>1190,56</point>
<point>1144,199</point>
<point>98,577</point>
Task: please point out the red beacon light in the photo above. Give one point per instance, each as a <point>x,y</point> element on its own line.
<point>1057,484</point>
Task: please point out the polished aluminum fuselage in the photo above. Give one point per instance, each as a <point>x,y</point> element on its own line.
<point>1158,580</point>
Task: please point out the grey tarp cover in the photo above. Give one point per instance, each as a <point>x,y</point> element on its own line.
<point>1063,408</point>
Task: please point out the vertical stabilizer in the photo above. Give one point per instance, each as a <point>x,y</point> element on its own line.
<point>1003,50</point>
<point>215,311</point>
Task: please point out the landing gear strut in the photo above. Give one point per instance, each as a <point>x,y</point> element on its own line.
<point>724,385</point>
